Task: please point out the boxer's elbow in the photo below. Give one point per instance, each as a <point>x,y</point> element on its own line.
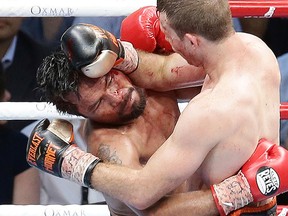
<point>144,198</point>
<point>141,203</point>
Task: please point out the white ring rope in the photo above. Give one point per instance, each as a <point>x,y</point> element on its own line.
<point>38,110</point>
<point>64,8</point>
<point>30,111</point>
<point>54,210</point>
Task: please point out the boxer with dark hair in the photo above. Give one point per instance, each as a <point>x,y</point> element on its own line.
<point>127,124</point>
<point>236,111</point>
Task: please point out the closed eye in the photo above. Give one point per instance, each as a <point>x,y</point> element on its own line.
<point>95,106</point>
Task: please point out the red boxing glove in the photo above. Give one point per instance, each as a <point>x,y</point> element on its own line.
<point>261,177</point>
<point>142,29</point>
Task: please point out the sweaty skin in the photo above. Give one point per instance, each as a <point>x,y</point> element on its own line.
<point>238,105</point>
<point>132,143</point>
<point>219,129</point>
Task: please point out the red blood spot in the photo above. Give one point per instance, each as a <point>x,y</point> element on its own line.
<point>114,72</point>
<point>176,70</point>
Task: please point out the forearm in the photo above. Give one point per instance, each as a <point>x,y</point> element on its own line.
<point>147,70</point>
<point>51,148</point>
<point>164,73</point>
<point>119,182</point>
<point>27,188</point>
<point>191,203</point>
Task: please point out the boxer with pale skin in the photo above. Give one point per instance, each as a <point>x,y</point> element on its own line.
<point>237,109</point>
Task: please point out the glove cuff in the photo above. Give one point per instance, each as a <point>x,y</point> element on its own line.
<point>77,166</point>
<point>217,202</point>
<point>231,194</point>
<point>129,59</point>
<point>89,171</point>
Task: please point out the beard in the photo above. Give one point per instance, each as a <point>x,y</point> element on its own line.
<point>138,107</point>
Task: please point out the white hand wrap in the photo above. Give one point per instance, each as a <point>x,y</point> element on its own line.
<point>131,60</point>
<point>231,194</point>
<point>76,163</point>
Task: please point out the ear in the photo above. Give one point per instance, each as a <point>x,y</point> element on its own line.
<point>193,39</point>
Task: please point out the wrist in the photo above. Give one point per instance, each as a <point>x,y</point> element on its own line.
<point>232,193</point>
<point>87,178</point>
<point>128,59</point>
<point>77,166</point>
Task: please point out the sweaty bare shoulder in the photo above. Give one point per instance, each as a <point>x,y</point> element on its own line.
<point>259,59</point>
<point>257,45</point>
<point>113,147</point>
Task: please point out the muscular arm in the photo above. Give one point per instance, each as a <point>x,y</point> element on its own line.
<point>163,73</point>
<point>190,203</point>
<point>195,203</point>
<point>111,154</point>
<point>175,161</point>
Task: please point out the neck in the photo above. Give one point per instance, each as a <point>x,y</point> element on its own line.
<point>219,56</point>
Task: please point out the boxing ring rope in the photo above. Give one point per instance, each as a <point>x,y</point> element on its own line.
<point>284,111</point>
<point>40,110</point>
<point>260,8</point>
<point>30,111</point>
<point>55,8</point>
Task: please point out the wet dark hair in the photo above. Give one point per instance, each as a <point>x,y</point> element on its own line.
<point>56,77</point>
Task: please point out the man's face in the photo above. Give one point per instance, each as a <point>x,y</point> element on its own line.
<point>109,99</point>
<point>170,34</point>
<point>184,46</point>
<point>9,27</point>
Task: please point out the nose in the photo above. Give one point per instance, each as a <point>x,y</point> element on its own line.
<point>114,97</point>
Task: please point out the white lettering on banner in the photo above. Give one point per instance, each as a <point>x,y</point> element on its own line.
<point>43,11</point>
<point>57,212</point>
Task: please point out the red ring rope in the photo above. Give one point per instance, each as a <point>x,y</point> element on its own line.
<point>259,8</point>
<point>284,111</point>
